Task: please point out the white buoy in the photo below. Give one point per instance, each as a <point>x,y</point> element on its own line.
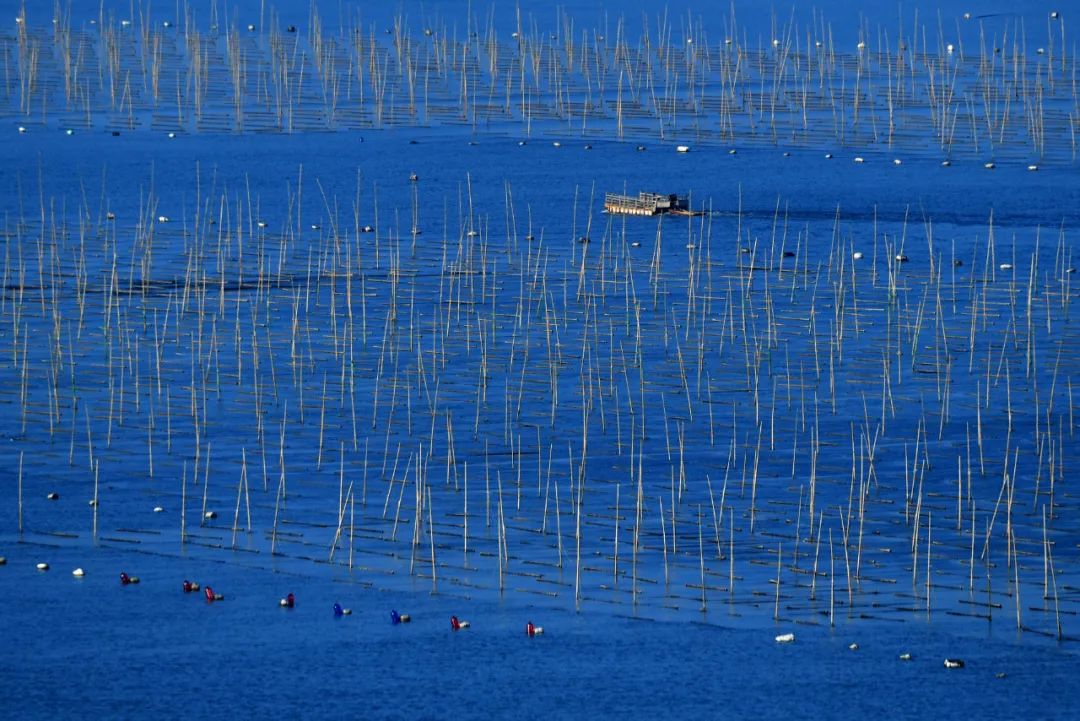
<point>158,509</point>
<point>989,166</point>
<point>905,657</point>
<point>163,219</point>
<point>125,23</point>
<point>858,159</point>
<point>210,515</point>
<point>3,561</point>
<point>967,16</point>
<point>1033,167</point>
<point>1040,51</point>
<point>949,48</point>
<point>853,646</point>
<point>22,128</point>
<point>785,638</point>
<point>828,156</point>
<point>953,663</point>
<point>43,567</point>
<point>1055,15</point>
<point>861,45</point>
<point>731,152</point>
<point>557,144</point>
<point>69,131</point>
<point>251,27</point>
<point>172,135</point>
<point>775,43</point>
<point>78,573</point>
<point>261,223</point>
<point>635,244</point>
<point>945,163</point>
<point>857,255</point>
<point>53,496</point>
<point>896,161</point>
<point>1005,266</point>
<point>901,258</point>
<point>682,148</point>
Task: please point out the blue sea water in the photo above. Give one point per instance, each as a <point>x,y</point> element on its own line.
<point>91,647</point>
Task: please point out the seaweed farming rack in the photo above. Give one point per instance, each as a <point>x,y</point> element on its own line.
<point>646,204</point>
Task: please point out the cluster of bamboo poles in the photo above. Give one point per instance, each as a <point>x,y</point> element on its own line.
<point>767,386</point>
<point>1011,94</point>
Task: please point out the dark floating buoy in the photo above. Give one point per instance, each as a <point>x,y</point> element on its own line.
<point>110,215</point>
<point>211,596</point>
<point>414,177</point>
<point>529,237</point>
<point>533,630</point>
<point>641,148</point>
<point>288,602</point>
<point>900,258</point>
<point>414,142</point>
<point>53,496</point>
<point>521,142</point>
<point>588,147</point>
<point>126,580</point>
<point>789,253</point>
<point>396,618</point>
<point>957,263</point>
<point>339,611</point>
<point>583,239</point>
<point>116,133</point>
<point>190,586</point>
<point>953,663</point>
<point>292,28</point>
<point>457,624</point>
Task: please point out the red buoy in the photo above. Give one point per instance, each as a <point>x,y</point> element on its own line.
<point>530,629</point>
<point>455,624</point>
<point>209,595</point>
<point>187,586</point>
<point>124,578</point>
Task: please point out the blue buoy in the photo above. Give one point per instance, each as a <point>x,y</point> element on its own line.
<point>395,617</point>
<point>338,610</point>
